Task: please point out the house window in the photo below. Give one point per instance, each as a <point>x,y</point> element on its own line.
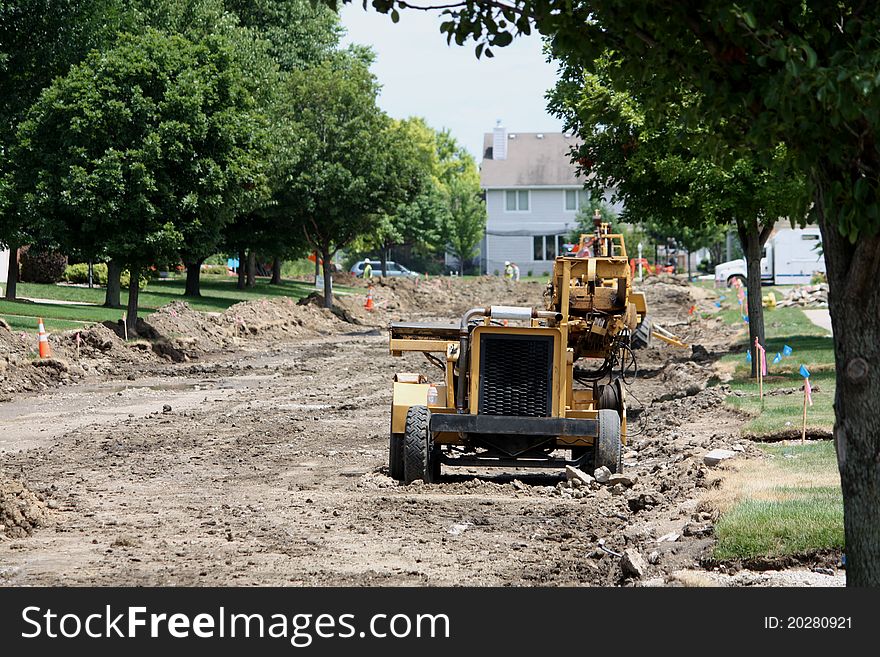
<point>571,200</point>
<point>546,247</point>
<point>517,201</point>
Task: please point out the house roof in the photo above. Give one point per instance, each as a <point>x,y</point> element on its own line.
<point>531,161</point>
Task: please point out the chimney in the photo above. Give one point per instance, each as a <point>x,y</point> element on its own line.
<point>499,142</point>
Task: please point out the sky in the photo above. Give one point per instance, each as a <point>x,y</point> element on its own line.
<point>447,85</point>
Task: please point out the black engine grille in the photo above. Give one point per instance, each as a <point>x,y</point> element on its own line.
<point>516,375</point>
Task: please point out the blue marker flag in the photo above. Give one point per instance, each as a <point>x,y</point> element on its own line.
<point>717,304</point>
<point>804,371</point>
<point>746,319</point>
<point>777,358</point>
<point>749,356</point>
<point>786,350</point>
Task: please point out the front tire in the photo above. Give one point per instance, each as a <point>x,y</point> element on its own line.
<point>419,455</point>
<point>608,449</point>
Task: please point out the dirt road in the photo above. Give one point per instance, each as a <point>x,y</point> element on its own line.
<point>265,464</point>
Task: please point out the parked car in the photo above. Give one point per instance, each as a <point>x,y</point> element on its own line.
<point>391,269</point>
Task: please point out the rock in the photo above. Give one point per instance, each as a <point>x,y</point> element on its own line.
<point>577,475</point>
<point>166,408</point>
<point>654,558</point>
<point>623,479</point>
<point>602,474</point>
<point>715,457</point>
<point>618,489</point>
<point>633,564</point>
<point>52,504</point>
<point>738,448</point>
<point>697,529</point>
<point>671,537</point>
<point>518,485</point>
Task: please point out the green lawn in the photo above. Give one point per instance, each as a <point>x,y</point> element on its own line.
<point>218,293</point>
<point>788,504</point>
<point>811,346</point>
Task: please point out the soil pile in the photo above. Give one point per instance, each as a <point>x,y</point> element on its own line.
<point>21,511</point>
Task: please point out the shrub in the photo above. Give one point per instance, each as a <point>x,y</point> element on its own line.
<point>818,278</point>
<point>79,273</point>
<point>214,269</point>
<point>39,266</point>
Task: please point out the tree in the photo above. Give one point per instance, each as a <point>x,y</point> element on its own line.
<point>355,169</point>
<point>135,146</point>
<point>39,39</point>
<point>466,221</point>
<point>653,163</point>
<point>800,74</point>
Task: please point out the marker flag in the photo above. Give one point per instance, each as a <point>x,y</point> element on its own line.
<point>808,391</point>
<point>717,304</point>
<point>749,356</point>
<point>763,357</point>
<point>691,310</point>
<point>786,350</point>
<point>804,372</point>
<point>746,319</point>
<point>777,358</point>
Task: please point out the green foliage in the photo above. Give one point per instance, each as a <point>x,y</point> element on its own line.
<point>41,266</point>
<point>141,147</point>
<point>354,165</point>
<point>467,220</point>
<point>79,273</point>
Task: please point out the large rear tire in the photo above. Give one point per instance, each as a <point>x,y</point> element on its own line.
<point>608,449</point>
<point>419,455</point>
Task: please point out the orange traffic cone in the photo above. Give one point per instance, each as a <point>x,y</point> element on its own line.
<point>369,304</point>
<point>45,352</point>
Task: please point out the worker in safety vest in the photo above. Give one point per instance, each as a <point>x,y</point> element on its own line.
<point>368,269</point>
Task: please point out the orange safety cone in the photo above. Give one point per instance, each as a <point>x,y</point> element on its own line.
<point>45,352</point>
<point>369,304</point>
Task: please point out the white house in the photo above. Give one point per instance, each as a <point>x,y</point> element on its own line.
<point>532,198</point>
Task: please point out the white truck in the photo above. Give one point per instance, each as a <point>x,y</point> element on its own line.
<point>791,256</point>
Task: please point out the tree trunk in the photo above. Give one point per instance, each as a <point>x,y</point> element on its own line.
<point>91,275</point>
<point>461,266</point>
<point>752,238</point>
<point>111,296</point>
<point>241,260</point>
<point>133,293</point>
<point>12,274</point>
<point>854,304</point>
<point>328,279</point>
<point>251,268</point>
<point>688,252</point>
<point>276,271</point>
<point>383,259</point>
<point>193,278</point>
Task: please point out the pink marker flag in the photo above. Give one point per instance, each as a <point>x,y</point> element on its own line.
<point>763,357</point>
<point>808,390</point>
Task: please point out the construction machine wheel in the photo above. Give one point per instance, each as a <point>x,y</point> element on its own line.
<point>395,456</point>
<point>641,337</point>
<point>608,450</point>
<point>419,454</point>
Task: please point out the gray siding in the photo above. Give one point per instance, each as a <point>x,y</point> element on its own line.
<point>510,234</point>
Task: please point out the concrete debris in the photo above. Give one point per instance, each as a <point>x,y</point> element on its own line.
<point>654,558</point>
<point>715,457</point>
<point>577,475</point>
<point>627,480</point>
<point>602,474</point>
<point>806,296</point>
<point>633,564</point>
<point>671,537</point>
<point>697,529</point>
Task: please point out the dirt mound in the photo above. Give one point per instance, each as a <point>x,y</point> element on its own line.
<point>21,511</point>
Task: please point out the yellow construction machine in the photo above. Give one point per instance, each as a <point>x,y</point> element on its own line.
<point>523,387</point>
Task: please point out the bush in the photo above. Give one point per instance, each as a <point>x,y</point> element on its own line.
<point>38,266</point>
<point>79,273</point>
<point>818,278</point>
<point>214,269</point>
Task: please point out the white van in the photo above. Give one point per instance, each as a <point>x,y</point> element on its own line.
<point>791,256</point>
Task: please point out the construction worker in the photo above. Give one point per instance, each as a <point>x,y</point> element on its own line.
<point>368,269</point>
<point>515,271</point>
<point>508,270</point>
